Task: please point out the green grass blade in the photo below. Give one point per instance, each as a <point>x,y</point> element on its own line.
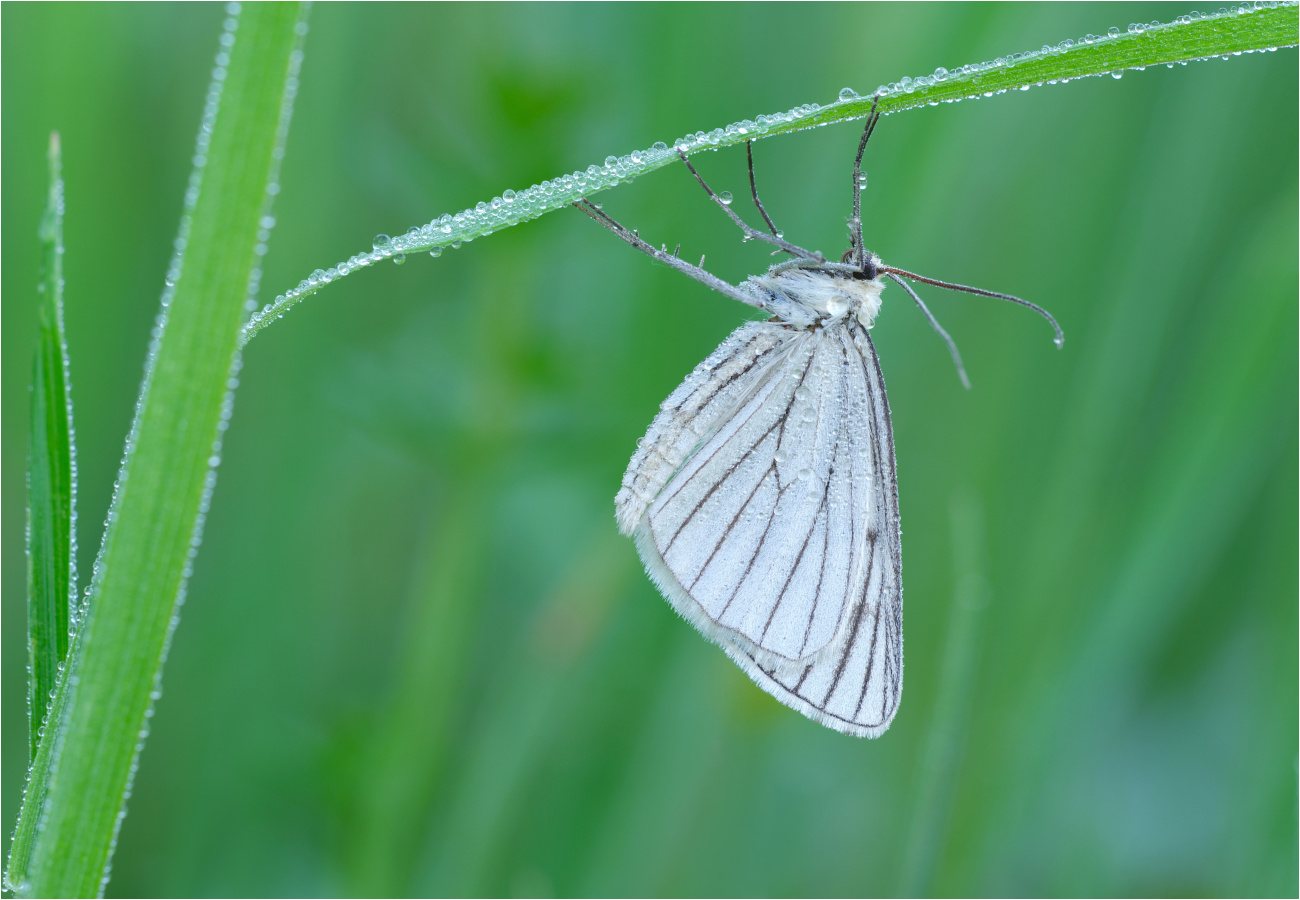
<point>51,515</point>
<point>166,480</point>
<point>1230,32</point>
<point>51,474</point>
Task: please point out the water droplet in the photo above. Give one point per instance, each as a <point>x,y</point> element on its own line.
<point>847,94</point>
<point>436,252</point>
<point>779,457</point>
<point>725,197</point>
<point>381,241</point>
<point>1117,75</point>
<point>508,196</point>
<point>658,145</point>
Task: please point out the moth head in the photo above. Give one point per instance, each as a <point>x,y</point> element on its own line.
<point>870,269</point>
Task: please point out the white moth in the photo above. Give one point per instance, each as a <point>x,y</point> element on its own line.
<point>764,500</point>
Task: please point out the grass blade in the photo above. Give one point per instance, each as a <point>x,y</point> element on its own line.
<point>51,517</point>
<point>1229,32</point>
<point>51,474</point>
<point>168,474</point>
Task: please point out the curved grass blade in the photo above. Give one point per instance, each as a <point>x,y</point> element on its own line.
<point>1229,32</point>
<point>84,767</point>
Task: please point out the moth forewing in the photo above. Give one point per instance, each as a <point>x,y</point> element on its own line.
<point>765,511</point>
<point>707,397</point>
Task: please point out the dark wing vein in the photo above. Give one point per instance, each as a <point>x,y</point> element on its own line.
<point>854,621</point>
<point>703,461</point>
<point>795,568</point>
<point>721,386</point>
<point>731,525</point>
<point>821,574</point>
<point>721,481</point>
<point>780,492</point>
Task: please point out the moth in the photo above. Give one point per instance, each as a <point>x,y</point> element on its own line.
<point>763,499</point>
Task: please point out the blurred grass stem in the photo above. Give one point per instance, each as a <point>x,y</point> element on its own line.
<point>947,733</point>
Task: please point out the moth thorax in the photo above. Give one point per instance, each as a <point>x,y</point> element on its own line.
<point>865,296</point>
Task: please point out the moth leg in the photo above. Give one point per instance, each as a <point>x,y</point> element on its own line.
<point>750,233</point>
<point>707,279</point>
<point>753,188</point>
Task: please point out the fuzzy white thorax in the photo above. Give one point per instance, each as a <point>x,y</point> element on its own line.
<point>805,296</point>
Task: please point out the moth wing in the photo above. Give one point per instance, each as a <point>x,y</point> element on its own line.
<point>854,685</point>
<point>707,399</point>
<point>773,534</point>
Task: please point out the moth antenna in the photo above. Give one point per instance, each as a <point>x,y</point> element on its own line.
<point>1059,340</point>
<point>952,345</point>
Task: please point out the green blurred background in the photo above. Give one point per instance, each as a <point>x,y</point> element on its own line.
<point>416,656</point>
